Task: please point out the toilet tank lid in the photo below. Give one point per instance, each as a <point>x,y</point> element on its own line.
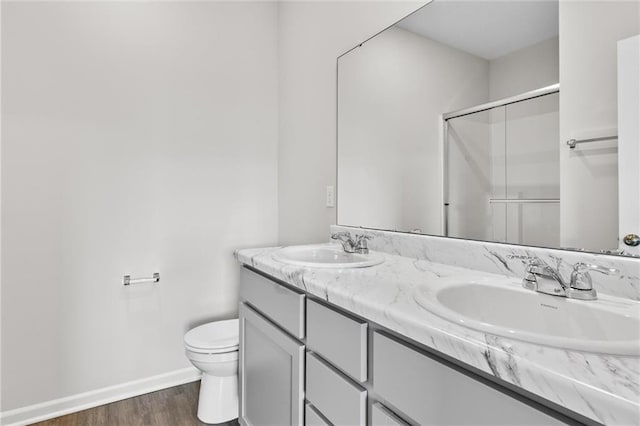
<point>217,334</point>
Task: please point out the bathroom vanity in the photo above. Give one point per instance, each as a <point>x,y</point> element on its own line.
<point>353,346</point>
<point>444,131</point>
<point>353,370</point>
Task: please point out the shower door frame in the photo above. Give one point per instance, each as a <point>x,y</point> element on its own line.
<point>544,91</point>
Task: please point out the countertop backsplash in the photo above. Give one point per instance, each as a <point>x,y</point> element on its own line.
<point>494,258</point>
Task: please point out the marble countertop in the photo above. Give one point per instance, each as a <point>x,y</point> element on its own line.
<point>604,388</point>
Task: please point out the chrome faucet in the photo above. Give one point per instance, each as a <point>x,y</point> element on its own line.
<point>543,278</point>
<point>352,245</point>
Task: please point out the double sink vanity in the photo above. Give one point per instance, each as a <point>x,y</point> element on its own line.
<point>485,267</point>
<point>389,337</point>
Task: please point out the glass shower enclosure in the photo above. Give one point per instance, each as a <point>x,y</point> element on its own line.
<point>502,170</point>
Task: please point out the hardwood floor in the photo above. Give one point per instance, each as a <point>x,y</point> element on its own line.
<point>169,407</point>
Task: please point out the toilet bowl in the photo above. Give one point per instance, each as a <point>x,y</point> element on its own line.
<point>213,349</point>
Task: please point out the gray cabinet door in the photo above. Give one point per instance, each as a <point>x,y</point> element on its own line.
<point>432,393</point>
<point>271,373</point>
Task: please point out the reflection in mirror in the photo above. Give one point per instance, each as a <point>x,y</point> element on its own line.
<point>455,122</point>
<point>502,178</point>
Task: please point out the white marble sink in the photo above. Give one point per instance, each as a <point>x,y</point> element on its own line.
<point>326,256</point>
<point>502,307</point>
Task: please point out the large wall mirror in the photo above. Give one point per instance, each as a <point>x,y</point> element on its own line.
<point>498,121</point>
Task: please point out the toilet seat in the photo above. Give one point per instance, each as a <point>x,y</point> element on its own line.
<point>211,350</point>
<point>214,337</point>
<point>212,358</point>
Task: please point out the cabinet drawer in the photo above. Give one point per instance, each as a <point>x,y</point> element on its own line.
<point>432,392</point>
<point>336,397</point>
<point>381,416</point>
<point>338,338</point>
<point>312,418</point>
<point>281,304</point>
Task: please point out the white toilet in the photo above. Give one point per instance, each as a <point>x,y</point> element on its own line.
<point>213,349</point>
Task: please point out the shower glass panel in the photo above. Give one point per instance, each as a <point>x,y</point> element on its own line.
<point>533,171</point>
<point>472,164</point>
<point>502,173</point>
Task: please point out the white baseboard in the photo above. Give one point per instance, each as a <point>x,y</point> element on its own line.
<point>82,401</point>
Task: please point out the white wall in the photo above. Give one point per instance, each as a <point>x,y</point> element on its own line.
<point>629,139</point>
<point>392,93</point>
<point>524,70</point>
<point>312,36</point>
<point>589,32</point>
<point>136,137</point>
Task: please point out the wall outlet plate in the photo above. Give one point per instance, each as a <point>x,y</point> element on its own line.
<point>331,196</point>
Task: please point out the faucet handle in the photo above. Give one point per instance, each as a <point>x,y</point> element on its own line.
<point>344,235</point>
<point>581,279</point>
<point>361,243</point>
<point>581,266</point>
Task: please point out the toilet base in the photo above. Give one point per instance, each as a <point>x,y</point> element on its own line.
<point>218,401</point>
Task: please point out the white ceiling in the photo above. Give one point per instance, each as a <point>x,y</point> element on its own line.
<point>488,29</point>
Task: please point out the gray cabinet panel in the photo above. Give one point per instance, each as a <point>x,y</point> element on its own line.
<point>281,304</point>
<point>312,418</point>
<point>432,393</point>
<point>271,373</point>
<point>338,338</point>
<point>381,416</point>
<point>336,397</point>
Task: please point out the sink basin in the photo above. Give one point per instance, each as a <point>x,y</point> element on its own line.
<point>326,256</point>
<point>607,325</point>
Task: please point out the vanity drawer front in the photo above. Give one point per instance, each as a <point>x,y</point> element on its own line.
<point>381,416</point>
<point>312,418</point>
<point>335,396</point>
<point>281,304</point>
<point>338,338</point>
<point>432,392</point>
